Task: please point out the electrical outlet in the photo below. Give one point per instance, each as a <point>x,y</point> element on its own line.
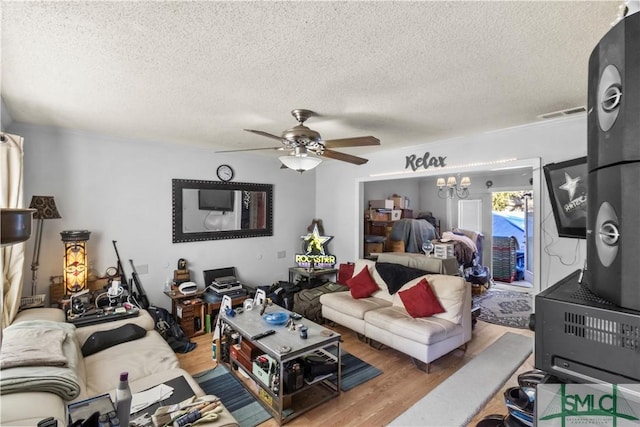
<point>282,254</point>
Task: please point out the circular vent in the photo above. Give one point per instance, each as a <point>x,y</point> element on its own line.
<point>609,97</point>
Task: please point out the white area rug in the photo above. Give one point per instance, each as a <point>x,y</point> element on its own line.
<point>459,398</point>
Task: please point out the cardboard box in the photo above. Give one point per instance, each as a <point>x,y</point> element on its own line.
<point>381,204</point>
<point>396,214</point>
<point>399,202</point>
<point>375,215</point>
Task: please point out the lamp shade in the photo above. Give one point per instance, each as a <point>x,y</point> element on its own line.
<point>451,181</point>
<point>300,163</point>
<point>45,207</point>
<point>466,182</point>
<point>440,182</point>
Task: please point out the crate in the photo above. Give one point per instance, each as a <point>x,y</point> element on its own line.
<point>444,250</point>
<point>504,258</point>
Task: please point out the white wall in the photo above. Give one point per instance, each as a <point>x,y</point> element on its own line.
<point>120,190</point>
<point>550,141</point>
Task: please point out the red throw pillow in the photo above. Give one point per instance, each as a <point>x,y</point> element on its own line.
<point>362,284</point>
<point>420,301</point>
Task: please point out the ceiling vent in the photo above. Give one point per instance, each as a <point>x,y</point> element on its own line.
<point>562,113</point>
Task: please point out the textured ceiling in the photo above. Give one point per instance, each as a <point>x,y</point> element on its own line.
<point>200,72</point>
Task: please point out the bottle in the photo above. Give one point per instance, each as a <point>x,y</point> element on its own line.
<point>123,399</point>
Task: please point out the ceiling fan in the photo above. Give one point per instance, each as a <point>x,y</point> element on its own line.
<point>302,141</point>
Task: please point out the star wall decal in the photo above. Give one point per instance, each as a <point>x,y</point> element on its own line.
<point>570,185</point>
<point>316,242</point>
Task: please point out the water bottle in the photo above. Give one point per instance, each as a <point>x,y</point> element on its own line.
<point>123,399</point>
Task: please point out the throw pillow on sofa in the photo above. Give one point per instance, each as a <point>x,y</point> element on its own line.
<point>101,340</point>
<point>362,284</point>
<point>420,300</point>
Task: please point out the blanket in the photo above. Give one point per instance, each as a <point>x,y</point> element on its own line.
<point>413,232</point>
<point>60,380</point>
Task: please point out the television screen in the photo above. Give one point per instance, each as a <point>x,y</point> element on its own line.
<point>216,200</point>
<point>567,185</point>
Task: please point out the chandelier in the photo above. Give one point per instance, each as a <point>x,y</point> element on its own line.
<point>450,188</point>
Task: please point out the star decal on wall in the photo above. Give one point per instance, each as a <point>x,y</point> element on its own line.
<point>315,242</point>
<point>570,185</point>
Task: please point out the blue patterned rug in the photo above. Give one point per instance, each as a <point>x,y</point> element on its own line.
<point>245,407</point>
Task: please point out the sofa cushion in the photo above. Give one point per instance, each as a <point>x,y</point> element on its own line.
<point>345,303</point>
<point>140,358</point>
<point>362,284</point>
<point>101,340</point>
<point>396,275</point>
<point>423,330</point>
<point>420,301</point>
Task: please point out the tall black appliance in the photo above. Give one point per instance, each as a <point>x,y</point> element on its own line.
<point>588,325</point>
<point>613,218</point>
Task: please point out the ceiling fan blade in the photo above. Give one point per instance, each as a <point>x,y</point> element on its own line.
<point>268,135</point>
<point>361,141</point>
<point>344,157</point>
<point>250,149</point>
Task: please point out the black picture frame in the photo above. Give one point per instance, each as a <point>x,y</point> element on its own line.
<point>567,185</point>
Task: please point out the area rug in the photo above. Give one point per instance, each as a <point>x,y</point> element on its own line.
<point>460,397</point>
<point>505,308</point>
<point>245,407</point>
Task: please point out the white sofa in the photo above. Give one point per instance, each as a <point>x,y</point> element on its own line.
<point>382,317</point>
<point>149,361</point>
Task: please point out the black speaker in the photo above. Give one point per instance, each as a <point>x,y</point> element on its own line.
<point>614,96</point>
<point>613,234</point>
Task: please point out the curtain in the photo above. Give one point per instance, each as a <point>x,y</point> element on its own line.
<point>11,172</point>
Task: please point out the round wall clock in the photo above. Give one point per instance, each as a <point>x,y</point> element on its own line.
<point>225,173</point>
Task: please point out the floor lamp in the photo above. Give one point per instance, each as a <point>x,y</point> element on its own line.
<point>45,208</point>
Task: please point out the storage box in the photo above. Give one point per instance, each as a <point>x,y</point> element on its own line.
<point>396,214</point>
<point>243,359</point>
<point>249,349</point>
<point>375,215</point>
<point>399,202</point>
<point>381,204</point>
<point>265,375</point>
<point>443,250</point>
<point>373,248</point>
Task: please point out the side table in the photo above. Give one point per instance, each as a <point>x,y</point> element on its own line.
<point>311,274</point>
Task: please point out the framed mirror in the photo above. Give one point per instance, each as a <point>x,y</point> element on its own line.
<point>213,210</point>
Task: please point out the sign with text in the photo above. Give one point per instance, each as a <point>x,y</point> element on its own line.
<point>316,254</point>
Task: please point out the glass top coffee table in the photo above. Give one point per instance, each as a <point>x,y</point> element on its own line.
<point>278,385</point>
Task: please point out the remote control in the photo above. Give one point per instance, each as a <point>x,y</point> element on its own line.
<point>263,334</point>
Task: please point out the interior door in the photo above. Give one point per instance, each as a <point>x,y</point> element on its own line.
<point>470,214</point>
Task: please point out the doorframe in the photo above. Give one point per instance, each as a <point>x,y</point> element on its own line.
<point>534,163</point>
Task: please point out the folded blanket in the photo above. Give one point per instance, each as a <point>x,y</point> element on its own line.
<point>32,347</point>
<point>60,380</point>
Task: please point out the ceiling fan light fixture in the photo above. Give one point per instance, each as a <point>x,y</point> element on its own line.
<point>300,163</point>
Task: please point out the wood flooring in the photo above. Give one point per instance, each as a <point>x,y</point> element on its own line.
<point>382,399</point>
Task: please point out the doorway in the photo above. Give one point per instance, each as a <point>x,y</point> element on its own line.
<point>512,238</point>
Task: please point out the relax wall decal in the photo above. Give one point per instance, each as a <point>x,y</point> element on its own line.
<point>414,162</point>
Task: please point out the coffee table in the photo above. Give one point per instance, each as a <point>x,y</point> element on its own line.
<point>286,346</point>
